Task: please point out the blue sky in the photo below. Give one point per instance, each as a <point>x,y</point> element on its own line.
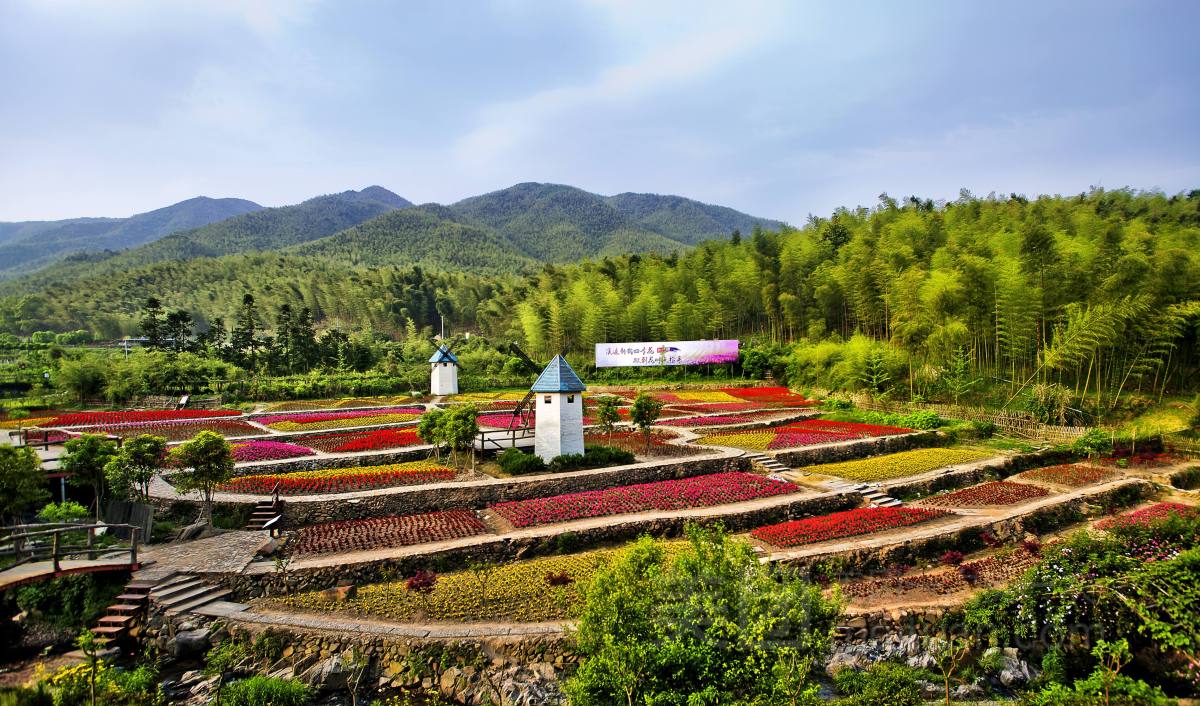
<point>779,109</point>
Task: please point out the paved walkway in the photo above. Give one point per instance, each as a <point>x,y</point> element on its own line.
<point>225,553</point>
<point>42,570</point>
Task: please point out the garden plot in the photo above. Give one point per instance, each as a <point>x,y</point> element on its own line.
<point>354,442</point>
<point>1073,475</point>
<point>839,525</point>
<point>79,419</point>
<point>1147,515</point>
<point>176,430</point>
<point>384,532</point>
<point>329,420</point>
<point>994,494</point>
<point>633,441</point>
<point>956,577</point>
<point>806,432</point>
<point>342,480</point>
<point>340,403</point>
<point>899,465</point>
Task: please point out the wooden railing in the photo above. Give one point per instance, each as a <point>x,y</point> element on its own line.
<point>24,543</point>
<point>492,438</point>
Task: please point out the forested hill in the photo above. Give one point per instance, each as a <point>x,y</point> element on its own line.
<point>29,245</point>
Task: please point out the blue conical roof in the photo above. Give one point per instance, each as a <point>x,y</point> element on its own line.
<point>558,377</point>
<point>443,355</point>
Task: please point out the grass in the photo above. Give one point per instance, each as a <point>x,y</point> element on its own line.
<point>1170,418</point>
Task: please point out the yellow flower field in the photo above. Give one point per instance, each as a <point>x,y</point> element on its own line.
<point>516,592</point>
<point>25,423</point>
<point>898,465</point>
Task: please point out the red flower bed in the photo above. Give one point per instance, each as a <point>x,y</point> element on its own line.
<point>268,451</point>
<point>776,396</point>
<point>995,493</point>
<point>1072,474</point>
<point>363,441</point>
<point>702,491</point>
<point>381,532</point>
<point>148,415</point>
<point>988,570</point>
<point>716,420</point>
<point>791,437</point>
<point>341,480</point>
<point>177,431</point>
<point>312,417</point>
<point>862,431</point>
<point>503,421</point>
<point>850,523</point>
<point>713,407</point>
<point>1147,516</point>
<point>632,440</point>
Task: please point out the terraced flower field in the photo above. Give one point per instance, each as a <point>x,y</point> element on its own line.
<point>381,532</point>
<point>176,430</point>
<point>838,525</point>
<point>998,569</point>
<point>72,419</point>
<point>517,592</point>
<point>806,432</point>
<point>265,450</point>
<point>342,480</point>
<point>702,491</point>
<point>1147,515</point>
<point>899,465</point>
<point>377,440</point>
<point>320,421</point>
<point>1073,475</point>
<point>988,494</point>
<point>633,442</point>
<point>343,402</point>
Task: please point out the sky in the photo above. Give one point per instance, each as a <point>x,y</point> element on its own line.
<point>780,109</point>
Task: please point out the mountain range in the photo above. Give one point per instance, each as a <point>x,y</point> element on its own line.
<point>509,230</point>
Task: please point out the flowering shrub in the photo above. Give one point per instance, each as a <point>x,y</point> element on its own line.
<point>363,441</point>
<point>176,431</point>
<point>341,480</point>
<point>995,493</point>
<point>316,421</point>
<point>850,523</point>
<point>702,491</point>
<point>1072,475</point>
<point>899,465</point>
<point>1146,516</point>
<point>380,532</point>
<point>73,419</point>
<point>259,450</point>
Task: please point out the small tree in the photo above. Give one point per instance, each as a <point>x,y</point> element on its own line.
<point>131,470</point>
<point>1112,656</point>
<point>458,428</point>
<point>20,415</point>
<point>86,457</point>
<point>429,429</point>
<point>958,378</point>
<point>607,415</point>
<point>950,655</point>
<point>644,414</point>
<point>22,479</point>
<point>90,647</point>
<point>208,462</point>
<point>482,572</point>
<point>875,376</point>
<point>422,584</point>
<point>223,659</point>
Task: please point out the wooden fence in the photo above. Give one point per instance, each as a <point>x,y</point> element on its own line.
<point>1018,424</point>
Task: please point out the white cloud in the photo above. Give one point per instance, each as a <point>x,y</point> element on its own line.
<point>264,17</point>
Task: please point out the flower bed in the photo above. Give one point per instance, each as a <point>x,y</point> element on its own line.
<point>382,532</point>
<point>716,420</point>
<point>176,431</point>
<point>857,429</point>
<point>715,407</point>
<point>988,571</point>
<point>259,450</point>
<point>1073,475</point>
<point>317,421</point>
<point>690,396</point>
<point>773,396</point>
<point>995,493</point>
<point>363,441</point>
<point>72,419</point>
<point>850,523</point>
<point>1147,516</point>
<point>1147,459</point>
<point>305,405</point>
<point>341,480</point>
<point>634,442</point>
<point>899,465</point>
<point>27,422</point>
<point>504,421</point>
<point>702,491</point>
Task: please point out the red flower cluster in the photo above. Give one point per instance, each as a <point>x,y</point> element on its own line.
<point>341,480</point>
<point>1071,474</point>
<point>988,570</point>
<point>502,421</point>
<point>312,417</point>
<point>73,419</point>
<point>268,451</point>
<point>702,491</point>
<point>711,407</point>
<point>855,429</point>
<point>379,532</point>
<point>1147,516</point>
<point>363,441</point>
<point>850,523</point>
<point>176,431</point>
<point>716,420</point>
<point>995,493</point>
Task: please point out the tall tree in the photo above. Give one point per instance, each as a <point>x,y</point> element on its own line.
<point>85,460</point>
<point>23,482</point>
<point>152,323</point>
<point>207,462</point>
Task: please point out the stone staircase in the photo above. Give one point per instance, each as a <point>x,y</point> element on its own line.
<point>179,593</point>
<point>121,616</point>
<point>265,513</point>
<point>768,463</point>
<point>870,492</point>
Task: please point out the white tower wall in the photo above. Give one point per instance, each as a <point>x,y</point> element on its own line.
<point>443,380</point>
<point>559,429</point>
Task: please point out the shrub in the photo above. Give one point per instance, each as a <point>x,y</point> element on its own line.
<point>68,511</point>
<point>592,457</point>
<point>266,691</point>
<point>883,683</point>
<point>516,462</point>
<point>952,558</point>
<point>1093,443</point>
<point>1187,479</point>
<point>984,430</point>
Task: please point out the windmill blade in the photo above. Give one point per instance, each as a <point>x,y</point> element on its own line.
<point>533,367</point>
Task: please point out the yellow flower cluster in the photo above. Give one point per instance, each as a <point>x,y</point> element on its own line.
<point>705,396</point>
<point>517,592</point>
<point>368,421</point>
<point>899,465</point>
<point>338,403</point>
<point>757,440</point>
<point>25,423</point>
<point>487,396</point>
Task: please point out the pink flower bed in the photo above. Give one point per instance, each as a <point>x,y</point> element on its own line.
<point>711,407</point>
<point>702,491</point>
<point>177,430</point>
<point>791,437</point>
<point>148,415</point>
<point>268,451</point>
<point>312,417</point>
<point>861,431</point>
<point>379,532</point>
<point>716,420</point>
<point>1147,516</point>
<point>501,421</point>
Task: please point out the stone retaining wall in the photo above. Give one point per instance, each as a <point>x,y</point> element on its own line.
<point>479,494</point>
<point>500,549</point>
<point>978,472</point>
<point>858,448</point>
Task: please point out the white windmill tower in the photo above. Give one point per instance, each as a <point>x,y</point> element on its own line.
<point>559,427</point>
<point>443,375</point>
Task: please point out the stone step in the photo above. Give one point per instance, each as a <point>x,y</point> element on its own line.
<point>126,608</point>
<point>186,588</point>
<point>109,630</point>
<point>133,598</point>
<point>213,594</point>
<point>123,620</point>
<point>890,502</point>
